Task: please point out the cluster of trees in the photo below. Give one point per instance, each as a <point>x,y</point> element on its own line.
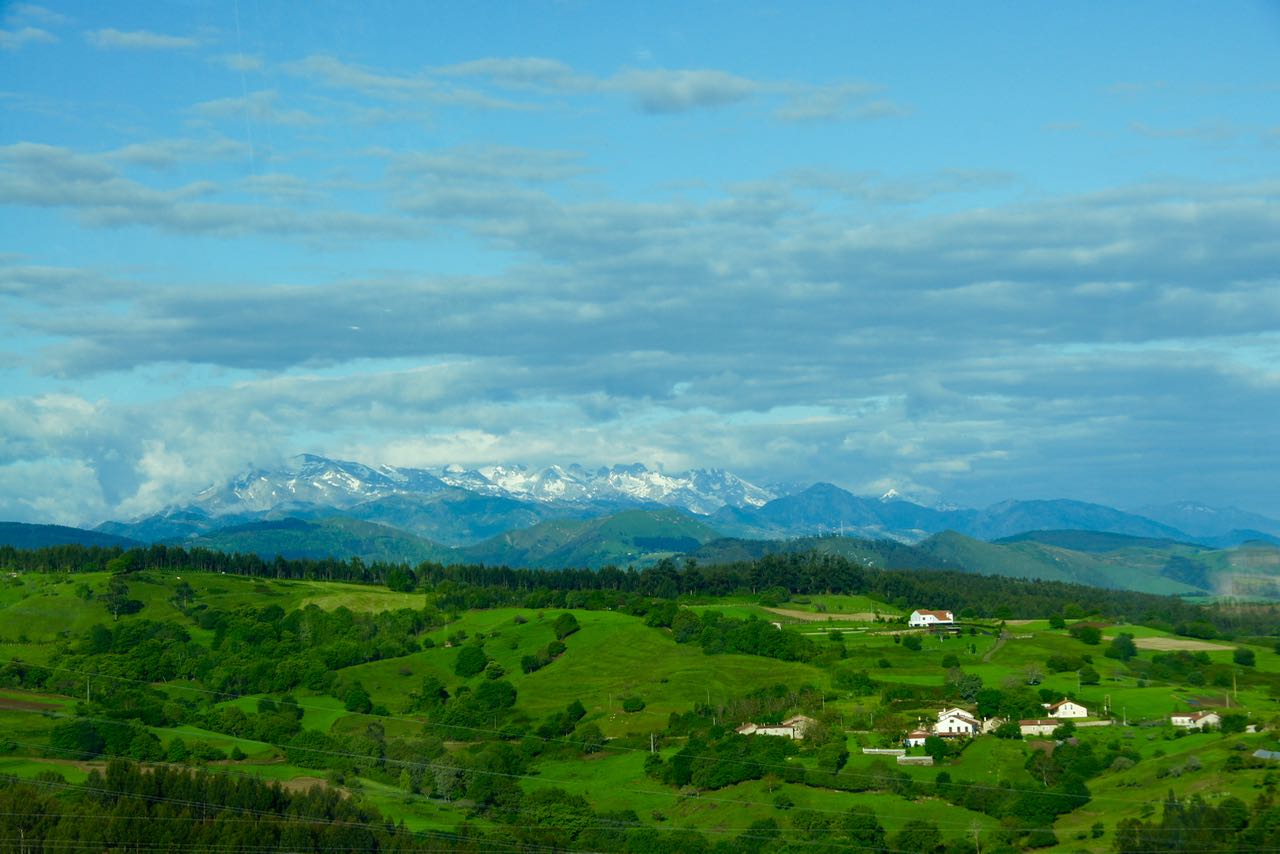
<point>252,650</point>
<point>716,633</point>
<point>1227,825</point>
<point>168,809</point>
<point>716,762</point>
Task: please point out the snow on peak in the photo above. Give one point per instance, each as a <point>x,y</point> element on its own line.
<point>314,479</point>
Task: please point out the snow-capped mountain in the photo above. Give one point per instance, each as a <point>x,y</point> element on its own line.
<point>310,479</point>
<point>700,490</point>
<point>314,480</point>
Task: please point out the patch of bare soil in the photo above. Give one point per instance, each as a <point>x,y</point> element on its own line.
<point>1169,644</point>
<point>12,704</point>
<point>814,617</point>
<point>302,784</point>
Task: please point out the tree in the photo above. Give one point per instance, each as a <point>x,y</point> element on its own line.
<point>356,699</point>
<point>471,661</point>
<point>116,599</point>
<point>1089,676</point>
<point>1234,723</point>
<point>832,756</point>
<point>183,593</point>
<point>1064,730</point>
<point>1122,647</point>
<point>936,747</point>
<point>912,642</point>
<point>917,835</point>
<point>589,738</point>
<point>77,740</point>
<point>1090,635</point>
<point>1243,657</point>
<point>863,829</point>
<point>1056,622</point>
<point>1009,729</point>
<point>177,751</point>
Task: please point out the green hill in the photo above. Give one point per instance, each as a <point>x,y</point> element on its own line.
<point>336,537</point>
<point>1089,541</point>
<point>1129,569</point>
<point>456,517</point>
<point>21,535</point>
<point>630,538</point>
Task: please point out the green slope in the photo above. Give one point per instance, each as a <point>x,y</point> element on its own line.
<point>1130,569</point>
<point>21,535</point>
<point>1089,541</point>
<point>630,538</point>
<point>336,537</point>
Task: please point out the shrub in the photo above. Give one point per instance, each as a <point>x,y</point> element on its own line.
<point>632,704</point>
<point>565,625</point>
<point>1243,657</point>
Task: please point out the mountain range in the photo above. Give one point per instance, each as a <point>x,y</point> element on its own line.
<point>314,507</point>
<point>455,507</point>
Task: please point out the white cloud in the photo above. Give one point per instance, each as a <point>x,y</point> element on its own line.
<point>32,12</point>
<point>265,106</point>
<point>113,39</point>
<point>23,36</point>
<point>678,91</point>
<point>242,62</point>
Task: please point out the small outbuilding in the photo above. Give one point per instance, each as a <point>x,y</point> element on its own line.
<point>1039,726</point>
<point>916,737</point>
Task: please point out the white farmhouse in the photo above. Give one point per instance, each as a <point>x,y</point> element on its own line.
<point>793,727</point>
<point>954,722</point>
<point>1065,708</point>
<point>916,737</point>
<point>1196,720</point>
<point>920,618</point>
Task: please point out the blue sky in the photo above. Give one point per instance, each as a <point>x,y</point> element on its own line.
<point>968,251</point>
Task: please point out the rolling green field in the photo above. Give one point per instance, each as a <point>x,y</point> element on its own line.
<point>614,657</point>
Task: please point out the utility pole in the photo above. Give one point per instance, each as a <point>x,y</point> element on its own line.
<point>652,747</point>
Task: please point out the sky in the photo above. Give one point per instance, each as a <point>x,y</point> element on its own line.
<point>972,252</point>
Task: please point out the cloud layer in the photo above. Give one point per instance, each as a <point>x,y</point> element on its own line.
<point>436,256</point>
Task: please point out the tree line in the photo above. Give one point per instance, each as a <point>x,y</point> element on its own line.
<point>803,573</point>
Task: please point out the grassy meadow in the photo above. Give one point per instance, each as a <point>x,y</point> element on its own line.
<point>614,656</point>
